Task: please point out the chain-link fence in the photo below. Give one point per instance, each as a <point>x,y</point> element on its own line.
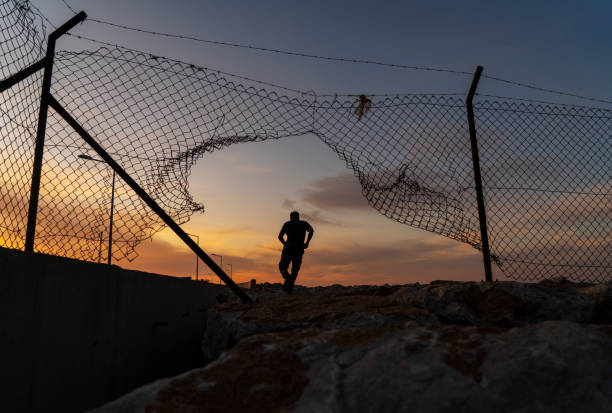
<point>547,180</point>
<point>546,175</point>
<point>21,44</point>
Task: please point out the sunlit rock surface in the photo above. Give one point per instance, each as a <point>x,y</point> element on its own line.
<point>440,347</point>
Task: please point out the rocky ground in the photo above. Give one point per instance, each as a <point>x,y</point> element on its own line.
<point>439,347</point>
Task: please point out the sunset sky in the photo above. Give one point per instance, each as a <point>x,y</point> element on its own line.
<point>249,189</point>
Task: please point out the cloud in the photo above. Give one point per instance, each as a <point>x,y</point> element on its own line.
<point>315,217</point>
<point>162,257</point>
<point>335,192</point>
<point>393,263</point>
<point>312,216</point>
<point>330,194</point>
<point>350,264</point>
<point>403,251</point>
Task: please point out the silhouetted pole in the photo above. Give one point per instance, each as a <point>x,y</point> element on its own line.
<point>486,254</point>
<point>148,200</point>
<point>221,263</point>
<point>110,229</point>
<point>112,208</point>
<point>100,250</point>
<point>197,259</point>
<point>42,125</point>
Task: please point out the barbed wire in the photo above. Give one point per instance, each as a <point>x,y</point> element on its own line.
<point>249,79</point>
<point>341,59</point>
<point>547,90</point>
<point>69,7</point>
<point>118,46</point>
<point>283,52</point>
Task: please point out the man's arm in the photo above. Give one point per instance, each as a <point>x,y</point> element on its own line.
<point>310,231</point>
<point>281,234</point>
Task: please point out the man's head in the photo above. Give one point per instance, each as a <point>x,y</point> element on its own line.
<point>295,216</point>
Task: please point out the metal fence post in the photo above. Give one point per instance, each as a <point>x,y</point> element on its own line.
<point>110,227</point>
<point>484,237</point>
<point>42,125</point>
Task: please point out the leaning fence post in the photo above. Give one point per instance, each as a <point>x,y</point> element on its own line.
<point>42,125</point>
<point>486,254</point>
<point>148,200</point>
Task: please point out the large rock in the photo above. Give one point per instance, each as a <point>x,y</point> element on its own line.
<point>336,307</point>
<point>502,304</point>
<point>441,347</point>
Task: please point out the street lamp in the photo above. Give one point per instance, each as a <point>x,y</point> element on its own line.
<point>197,259</point>
<point>100,249</point>
<point>221,257</point>
<point>112,207</point>
<point>231,271</point>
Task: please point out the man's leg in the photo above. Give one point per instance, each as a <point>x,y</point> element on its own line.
<point>283,265</point>
<point>288,285</point>
<point>296,263</point>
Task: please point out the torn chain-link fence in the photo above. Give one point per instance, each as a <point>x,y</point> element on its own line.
<point>545,167</point>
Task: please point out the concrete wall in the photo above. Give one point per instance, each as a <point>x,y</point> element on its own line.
<point>75,334</point>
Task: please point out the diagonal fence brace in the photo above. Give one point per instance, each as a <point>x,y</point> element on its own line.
<point>148,200</point>
<point>22,74</point>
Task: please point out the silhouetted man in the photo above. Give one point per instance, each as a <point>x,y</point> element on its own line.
<point>293,248</point>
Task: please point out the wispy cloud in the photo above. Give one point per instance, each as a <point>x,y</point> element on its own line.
<point>313,216</point>
<point>393,263</point>
<point>351,263</point>
<point>335,192</point>
<point>329,195</point>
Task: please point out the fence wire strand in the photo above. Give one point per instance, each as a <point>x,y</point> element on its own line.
<point>545,167</point>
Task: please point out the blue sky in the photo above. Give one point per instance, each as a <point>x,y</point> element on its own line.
<point>248,189</point>
<point>560,45</point>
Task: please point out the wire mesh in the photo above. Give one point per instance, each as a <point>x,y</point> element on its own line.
<point>21,44</point>
<point>545,168</point>
<point>548,188</point>
<point>158,117</point>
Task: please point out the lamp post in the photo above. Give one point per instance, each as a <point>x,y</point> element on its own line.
<point>112,207</point>
<point>231,271</point>
<point>197,259</point>
<point>221,257</point>
<point>100,249</point>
